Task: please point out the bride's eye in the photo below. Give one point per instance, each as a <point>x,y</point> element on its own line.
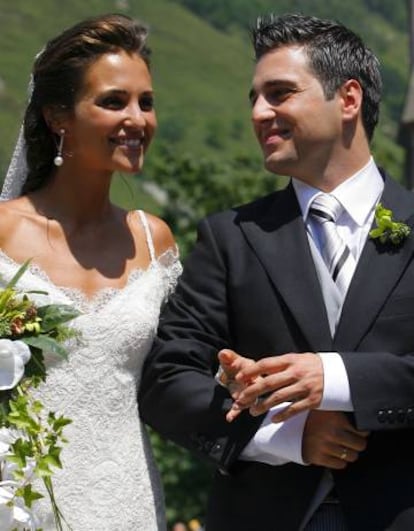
<point>146,102</point>
<point>111,102</point>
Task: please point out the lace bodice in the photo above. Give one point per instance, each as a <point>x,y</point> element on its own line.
<point>109,480</point>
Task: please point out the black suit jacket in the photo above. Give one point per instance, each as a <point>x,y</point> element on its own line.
<point>250,284</point>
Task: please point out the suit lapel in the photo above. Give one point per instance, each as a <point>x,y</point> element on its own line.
<point>378,270</point>
<point>279,240</point>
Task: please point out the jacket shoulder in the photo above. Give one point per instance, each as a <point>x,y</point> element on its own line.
<point>252,210</point>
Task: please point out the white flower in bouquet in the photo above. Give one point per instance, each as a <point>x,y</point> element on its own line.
<point>6,439</point>
<point>30,438</point>
<point>13,357</point>
<point>13,513</point>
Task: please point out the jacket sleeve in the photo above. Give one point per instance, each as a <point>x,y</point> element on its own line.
<point>382,387</point>
<point>178,395</point>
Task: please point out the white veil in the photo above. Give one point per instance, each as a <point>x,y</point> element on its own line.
<point>17,171</point>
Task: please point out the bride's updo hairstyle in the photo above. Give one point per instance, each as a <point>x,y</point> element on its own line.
<point>58,76</point>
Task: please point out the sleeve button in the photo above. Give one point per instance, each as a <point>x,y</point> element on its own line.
<point>391,416</point>
<point>401,415</point>
<point>381,416</point>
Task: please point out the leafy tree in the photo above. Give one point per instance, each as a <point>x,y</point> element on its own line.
<point>187,188</point>
<point>394,12</point>
<point>185,480</point>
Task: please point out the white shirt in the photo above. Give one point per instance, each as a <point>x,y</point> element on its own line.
<point>280,443</point>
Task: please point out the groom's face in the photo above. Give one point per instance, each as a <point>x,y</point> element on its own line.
<point>296,126</point>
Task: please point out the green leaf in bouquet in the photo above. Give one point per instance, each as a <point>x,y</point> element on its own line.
<point>53,315</point>
<point>43,329</point>
<point>35,367</point>
<point>43,467</point>
<point>36,292</point>
<point>60,423</point>
<point>53,460</point>
<point>22,449</point>
<point>55,452</point>
<point>8,292</point>
<point>46,343</point>
<point>28,495</point>
<point>5,397</point>
<point>18,475</point>
<point>23,421</point>
<point>11,284</point>
<point>37,407</point>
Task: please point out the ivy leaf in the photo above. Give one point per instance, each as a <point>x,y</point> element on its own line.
<point>43,468</point>
<point>21,451</point>
<point>53,458</point>
<point>60,423</point>
<point>29,496</point>
<point>55,452</point>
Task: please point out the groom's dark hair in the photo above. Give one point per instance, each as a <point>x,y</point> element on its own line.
<point>336,54</point>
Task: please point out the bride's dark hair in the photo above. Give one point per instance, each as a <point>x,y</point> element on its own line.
<point>58,75</point>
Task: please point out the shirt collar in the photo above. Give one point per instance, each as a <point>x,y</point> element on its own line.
<point>358,194</point>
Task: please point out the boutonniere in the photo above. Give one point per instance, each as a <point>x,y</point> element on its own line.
<point>387,229</point>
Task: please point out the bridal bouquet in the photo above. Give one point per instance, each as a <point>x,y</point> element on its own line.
<point>30,438</point>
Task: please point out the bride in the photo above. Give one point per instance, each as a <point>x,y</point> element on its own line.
<point>91,113</point>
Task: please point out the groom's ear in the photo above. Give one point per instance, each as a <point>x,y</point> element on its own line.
<point>56,117</point>
<point>351,95</point>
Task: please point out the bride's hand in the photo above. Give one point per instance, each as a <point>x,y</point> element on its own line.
<point>232,364</point>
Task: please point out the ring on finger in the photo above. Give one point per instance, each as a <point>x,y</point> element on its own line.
<point>344,454</point>
<point>223,379</point>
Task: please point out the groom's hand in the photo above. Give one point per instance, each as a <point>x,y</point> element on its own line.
<point>293,378</point>
<point>330,440</point>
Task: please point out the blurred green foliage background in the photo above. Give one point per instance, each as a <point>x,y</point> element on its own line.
<point>205,157</point>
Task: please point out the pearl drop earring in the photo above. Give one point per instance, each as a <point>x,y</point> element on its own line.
<point>58,160</point>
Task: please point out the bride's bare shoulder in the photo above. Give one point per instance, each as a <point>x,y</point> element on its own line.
<point>15,207</point>
<point>12,214</point>
<point>161,234</point>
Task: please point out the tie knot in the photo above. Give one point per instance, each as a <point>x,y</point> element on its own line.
<point>325,207</point>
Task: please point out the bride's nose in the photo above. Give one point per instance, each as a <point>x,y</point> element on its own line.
<point>134,116</point>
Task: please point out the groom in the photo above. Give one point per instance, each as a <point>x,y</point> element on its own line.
<point>295,280</point>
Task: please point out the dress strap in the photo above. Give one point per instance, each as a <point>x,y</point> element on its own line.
<point>148,234</point>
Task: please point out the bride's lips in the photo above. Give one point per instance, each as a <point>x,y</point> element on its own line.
<point>133,143</point>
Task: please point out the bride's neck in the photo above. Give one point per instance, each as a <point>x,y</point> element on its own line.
<point>79,205</point>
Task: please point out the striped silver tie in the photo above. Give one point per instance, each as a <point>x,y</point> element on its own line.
<point>326,209</point>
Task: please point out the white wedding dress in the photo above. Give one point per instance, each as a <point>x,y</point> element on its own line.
<point>109,481</point>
